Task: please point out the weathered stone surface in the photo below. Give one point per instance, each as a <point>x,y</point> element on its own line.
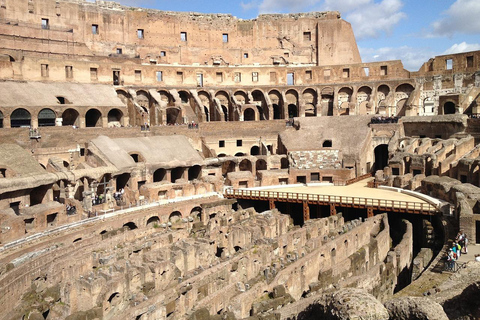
<point>415,308</point>
<point>346,304</point>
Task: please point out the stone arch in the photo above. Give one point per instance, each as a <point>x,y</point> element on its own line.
<point>382,93</point>
<point>46,118</point>
<point>196,213</point>
<point>344,99</point>
<point>291,98</point>
<point>363,98</point>
<point>176,174</point>
<point>165,96</point>
<point>402,93</point>
<point>228,166</point>
<point>184,96</point>
<point>93,118</point>
<point>449,108</point>
<point>261,164</point>
<point>20,118</point>
<point>70,117</point>
<point>381,157</point>
<point>206,105</point>
<point>143,99</point>
<point>130,225</point>
<point>137,156</point>
<point>327,101</point>
<point>259,100</point>
<point>174,116</point>
<point>194,173</point>
<point>227,109</point>
<point>327,144</point>
<point>249,115</point>
<point>310,97</point>
<point>277,104</point>
<point>152,221</point>
<point>255,151</point>
<point>245,165</point>
<point>175,217</point>
<point>115,118</point>
<point>159,175</point>
<point>241,97</point>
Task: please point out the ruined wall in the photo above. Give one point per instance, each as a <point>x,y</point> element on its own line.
<point>207,38</point>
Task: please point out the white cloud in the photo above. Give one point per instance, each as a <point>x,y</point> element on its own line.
<point>273,6</point>
<point>463,16</point>
<point>412,58</point>
<point>462,47</point>
<point>370,20</point>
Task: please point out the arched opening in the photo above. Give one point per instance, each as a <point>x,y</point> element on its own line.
<point>261,164</point>
<point>284,163</point>
<point>122,181</point>
<point>46,118</point>
<point>449,108</point>
<point>176,174</point>
<point>327,144</point>
<point>277,114</point>
<point>153,221</point>
<point>159,175</point>
<point>381,157</point>
<point>228,166</point>
<point>175,217</point>
<point>196,213</point>
<point>70,117</point>
<point>194,173</point>
<point>184,97</point>
<point>255,151</point>
<point>239,154</point>
<point>137,157</point>
<point>173,116</point>
<point>115,118</point>
<point>292,111</point>
<point>20,118</point>
<point>310,98</point>
<point>245,165</point>
<point>207,114</point>
<point>130,226</point>
<point>93,118</point>
<point>249,115</point>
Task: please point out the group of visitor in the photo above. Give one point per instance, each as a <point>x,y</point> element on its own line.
<point>382,119</point>
<point>474,116</point>
<point>119,194</point>
<point>193,125</point>
<point>459,247</point>
<point>97,199</point>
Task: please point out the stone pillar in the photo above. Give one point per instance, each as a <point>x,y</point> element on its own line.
<point>333,211</point>
<point>306,211</point>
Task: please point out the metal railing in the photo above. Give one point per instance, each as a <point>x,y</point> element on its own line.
<point>346,201</point>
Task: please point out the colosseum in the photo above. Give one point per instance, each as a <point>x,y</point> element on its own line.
<point>172,165</point>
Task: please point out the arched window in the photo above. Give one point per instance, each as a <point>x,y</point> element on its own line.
<point>327,144</point>
<point>46,118</point>
<point>20,118</point>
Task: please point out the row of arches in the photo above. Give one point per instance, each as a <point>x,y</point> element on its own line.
<point>170,107</point>
<point>47,117</point>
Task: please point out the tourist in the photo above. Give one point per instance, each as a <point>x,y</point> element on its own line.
<point>465,243</point>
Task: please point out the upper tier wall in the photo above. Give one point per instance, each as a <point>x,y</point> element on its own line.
<point>321,38</point>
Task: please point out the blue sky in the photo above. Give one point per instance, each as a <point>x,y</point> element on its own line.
<point>410,30</point>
